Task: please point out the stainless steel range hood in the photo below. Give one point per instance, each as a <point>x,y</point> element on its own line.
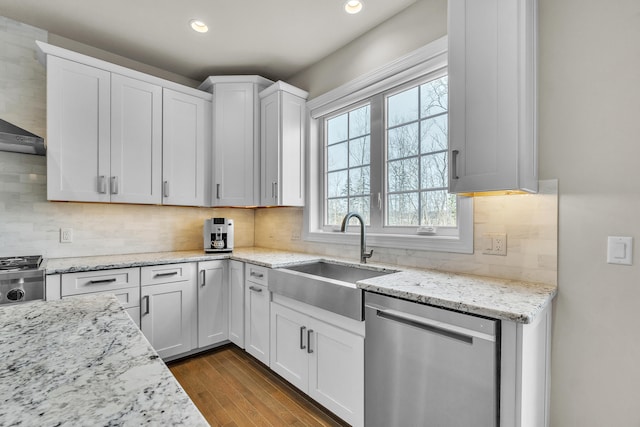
<point>18,140</point>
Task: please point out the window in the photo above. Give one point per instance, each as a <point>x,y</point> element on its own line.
<point>416,157</point>
<point>382,150</point>
<point>348,142</point>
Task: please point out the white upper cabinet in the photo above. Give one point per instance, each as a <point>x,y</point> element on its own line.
<point>235,139</point>
<point>108,127</point>
<point>492,95</point>
<point>282,136</point>
<point>136,141</point>
<point>78,131</point>
<point>186,127</point>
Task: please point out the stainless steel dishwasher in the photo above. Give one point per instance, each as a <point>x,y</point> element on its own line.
<point>426,366</point>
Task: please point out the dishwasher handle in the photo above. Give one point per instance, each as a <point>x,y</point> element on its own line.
<point>452,331</point>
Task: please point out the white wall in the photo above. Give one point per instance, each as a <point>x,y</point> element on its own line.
<point>590,140</point>
<point>417,25</point>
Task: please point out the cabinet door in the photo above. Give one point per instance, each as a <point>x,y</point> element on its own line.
<point>78,131</point>
<point>257,321</point>
<point>236,303</point>
<point>270,148</point>
<point>492,95</point>
<point>291,172</point>
<point>168,317</point>
<point>136,141</point>
<point>235,142</point>
<point>336,371</point>
<point>213,303</point>
<point>282,117</point>
<point>186,128</point>
<point>289,346</point>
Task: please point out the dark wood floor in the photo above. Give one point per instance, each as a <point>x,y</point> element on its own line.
<point>231,388</point>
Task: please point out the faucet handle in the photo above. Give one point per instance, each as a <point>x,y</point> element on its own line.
<point>366,255</point>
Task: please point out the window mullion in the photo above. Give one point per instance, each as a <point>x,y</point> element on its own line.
<point>378,166</point>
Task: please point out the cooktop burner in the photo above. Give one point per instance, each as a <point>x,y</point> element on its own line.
<point>20,263</point>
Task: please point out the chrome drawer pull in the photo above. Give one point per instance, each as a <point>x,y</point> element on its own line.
<point>102,184</point>
<point>95,282</point>
<point>173,273</point>
<point>302,346</point>
<point>255,289</point>
<point>309,332</point>
<point>114,185</point>
<point>454,164</point>
<point>258,275</point>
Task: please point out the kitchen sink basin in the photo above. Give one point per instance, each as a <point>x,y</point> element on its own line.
<point>326,285</point>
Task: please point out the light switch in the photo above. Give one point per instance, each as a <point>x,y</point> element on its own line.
<point>620,250</point>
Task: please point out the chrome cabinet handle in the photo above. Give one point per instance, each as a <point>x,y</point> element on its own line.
<point>165,188</point>
<point>309,332</point>
<point>275,192</point>
<point>255,289</point>
<point>114,185</point>
<point>94,282</point>
<point>302,346</point>
<point>147,311</point>
<point>171,273</point>
<point>203,273</point>
<point>102,184</point>
<point>454,164</point>
<point>258,275</point>
<point>217,191</point>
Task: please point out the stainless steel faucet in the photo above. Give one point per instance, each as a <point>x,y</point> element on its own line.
<point>363,245</point>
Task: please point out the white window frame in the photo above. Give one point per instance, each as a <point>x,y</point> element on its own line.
<point>430,59</point>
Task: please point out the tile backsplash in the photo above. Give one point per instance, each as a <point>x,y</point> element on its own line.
<point>530,222</point>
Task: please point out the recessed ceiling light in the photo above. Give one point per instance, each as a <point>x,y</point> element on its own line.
<point>353,6</point>
<point>199,26</point>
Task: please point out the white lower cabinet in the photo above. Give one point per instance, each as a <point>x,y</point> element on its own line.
<point>323,360</point>
<point>124,283</point>
<point>169,308</point>
<point>256,312</point>
<point>236,303</point>
<point>213,296</point>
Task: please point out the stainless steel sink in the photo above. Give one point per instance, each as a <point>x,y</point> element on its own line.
<point>325,285</point>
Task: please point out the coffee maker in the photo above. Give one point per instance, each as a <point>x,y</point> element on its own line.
<point>218,235</point>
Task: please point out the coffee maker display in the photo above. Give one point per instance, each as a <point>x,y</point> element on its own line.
<point>218,235</point>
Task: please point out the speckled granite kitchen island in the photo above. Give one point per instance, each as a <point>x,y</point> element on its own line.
<point>82,361</point>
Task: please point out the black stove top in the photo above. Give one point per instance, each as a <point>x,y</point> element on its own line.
<point>20,263</point>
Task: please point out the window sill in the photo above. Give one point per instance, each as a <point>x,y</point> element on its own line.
<point>397,241</point>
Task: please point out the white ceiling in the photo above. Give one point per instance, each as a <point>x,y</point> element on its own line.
<point>274,38</point>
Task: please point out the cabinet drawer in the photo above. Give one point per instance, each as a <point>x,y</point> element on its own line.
<point>167,273</point>
<point>100,281</point>
<point>256,274</point>
<point>128,297</point>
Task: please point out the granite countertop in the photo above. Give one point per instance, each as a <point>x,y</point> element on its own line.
<point>82,361</point>
<point>106,262</point>
<point>498,298</point>
<point>501,299</point>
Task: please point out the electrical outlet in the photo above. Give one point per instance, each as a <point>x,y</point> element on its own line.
<point>66,235</point>
<point>494,244</point>
<point>295,235</point>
